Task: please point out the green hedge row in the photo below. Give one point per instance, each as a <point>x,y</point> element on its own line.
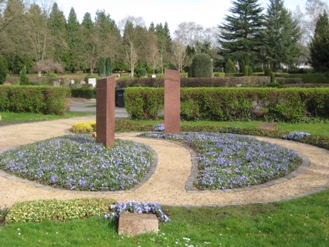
<point>197,82</point>
<point>37,99</point>
<point>86,93</point>
<point>225,104</point>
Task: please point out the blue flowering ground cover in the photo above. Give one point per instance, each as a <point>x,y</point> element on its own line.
<point>227,161</point>
<point>136,207</point>
<point>77,162</point>
<point>296,135</point>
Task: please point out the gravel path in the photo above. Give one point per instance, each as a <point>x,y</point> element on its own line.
<point>168,183</point>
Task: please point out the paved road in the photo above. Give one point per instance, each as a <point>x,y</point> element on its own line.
<point>79,105</point>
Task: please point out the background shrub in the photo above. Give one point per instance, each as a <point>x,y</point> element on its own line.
<point>247,70</point>
<point>37,99</point>
<point>144,103</point>
<point>23,79</point>
<point>219,74</point>
<point>197,82</point>
<point>201,66</point>
<point>268,72</point>
<point>3,69</point>
<point>86,93</point>
<point>230,67</point>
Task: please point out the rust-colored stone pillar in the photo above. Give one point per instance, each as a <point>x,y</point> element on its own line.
<point>105,111</point>
<point>172,102</point>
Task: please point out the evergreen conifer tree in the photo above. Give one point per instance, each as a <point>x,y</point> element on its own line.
<point>319,47</point>
<point>281,36</point>
<point>241,32</point>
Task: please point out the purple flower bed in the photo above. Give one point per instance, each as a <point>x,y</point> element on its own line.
<point>227,161</point>
<point>296,135</point>
<point>137,207</point>
<point>159,127</point>
<point>77,162</point>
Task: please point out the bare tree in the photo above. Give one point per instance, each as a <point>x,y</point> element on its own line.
<point>134,39</point>
<point>153,56</point>
<point>190,33</point>
<point>38,32</point>
<point>129,39</point>
<point>307,19</point>
<point>178,55</point>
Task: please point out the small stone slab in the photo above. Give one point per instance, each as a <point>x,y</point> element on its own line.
<point>132,224</point>
<point>268,126</point>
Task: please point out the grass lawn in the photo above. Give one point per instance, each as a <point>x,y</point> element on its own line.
<point>317,128</point>
<point>14,118</point>
<point>299,222</point>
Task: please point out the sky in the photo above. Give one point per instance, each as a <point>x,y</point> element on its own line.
<point>207,13</point>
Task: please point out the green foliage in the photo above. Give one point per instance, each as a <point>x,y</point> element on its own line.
<point>225,104</point>
<point>319,47</point>
<point>101,66</point>
<point>108,65</point>
<point>241,32</point>
<point>3,69</point>
<point>201,66</point>
<point>247,70</point>
<point>86,93</point>
<point>230,67</point>
<point>46,100</point>
<point>23,79</point>
<point>3,214</point>
<point>143,103</point>
<point>196,82</point>
<point>281,36</point>
<point>52,74</point>
<point>45,210</point>
<point>219,74</point>
<point>268,72</point>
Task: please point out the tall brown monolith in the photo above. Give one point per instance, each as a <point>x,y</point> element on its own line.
<point>105,111</point>
<point>172,102</point>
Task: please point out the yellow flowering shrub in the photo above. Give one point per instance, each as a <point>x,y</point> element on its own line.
<point>84,127</point>
<point>39,211</point>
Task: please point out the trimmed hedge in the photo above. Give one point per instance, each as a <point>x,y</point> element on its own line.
<point>226,104</point>
<point>86,93</point>
<point>144,103</point>
<point>37,99</point>
<point>197,82</point>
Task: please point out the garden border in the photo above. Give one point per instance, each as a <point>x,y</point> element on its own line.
<point>26,181</point>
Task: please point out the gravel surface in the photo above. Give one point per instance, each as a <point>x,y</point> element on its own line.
<point>168,183</point>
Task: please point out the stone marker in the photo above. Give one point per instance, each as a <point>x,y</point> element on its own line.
<point>132,224</point>
<point>105,111</point>
<point>56,84</point>
<point>172,102</point>
<point>92,81</point>
<point>268,126</point>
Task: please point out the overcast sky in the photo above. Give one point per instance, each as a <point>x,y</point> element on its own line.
<point>208,13</point>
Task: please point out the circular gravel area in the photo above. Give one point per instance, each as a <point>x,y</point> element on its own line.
<point>169,181</point>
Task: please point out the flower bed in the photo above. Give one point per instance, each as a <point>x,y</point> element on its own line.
<point>77,162</point>
<point>227,161</point>
<point>137,207</point>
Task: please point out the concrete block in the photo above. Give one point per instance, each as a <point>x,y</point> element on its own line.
<point>132,224</point>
